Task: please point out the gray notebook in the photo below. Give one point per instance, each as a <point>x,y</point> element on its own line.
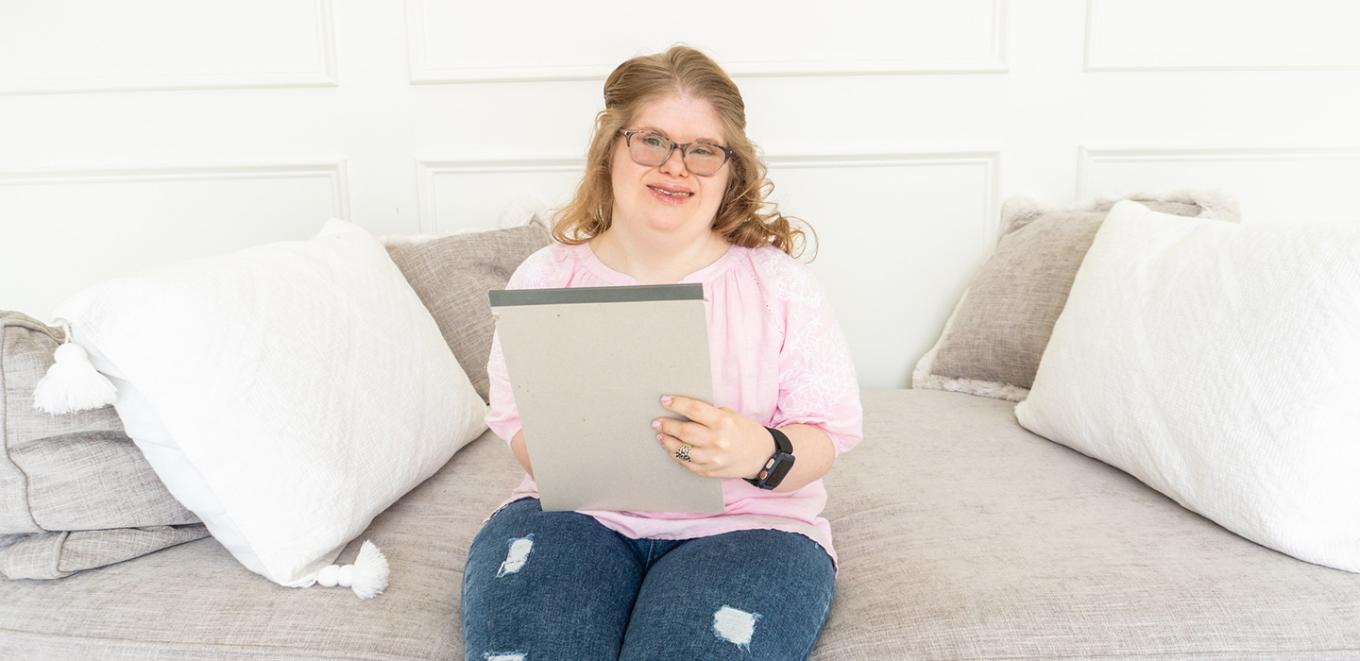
<point>588,366</point>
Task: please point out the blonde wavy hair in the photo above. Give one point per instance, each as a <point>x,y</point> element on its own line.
<point>744,217</point>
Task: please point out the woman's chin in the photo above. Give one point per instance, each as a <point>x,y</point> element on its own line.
<point>662,222</point>
<point>663,219</point>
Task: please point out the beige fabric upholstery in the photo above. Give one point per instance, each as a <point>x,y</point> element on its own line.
<point>962,536</point>
<point>452,275</point>
<point>75,493</point>
<point>60,554</point>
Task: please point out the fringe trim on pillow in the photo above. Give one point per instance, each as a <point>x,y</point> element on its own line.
<point>1020,210</point>
<point>71,383</point>
<point>1213,205</point>
<point>990,389</point>
<point>367,577</point>
<point>922,379</point>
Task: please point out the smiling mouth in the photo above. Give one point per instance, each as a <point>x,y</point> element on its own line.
<point>674,195</point>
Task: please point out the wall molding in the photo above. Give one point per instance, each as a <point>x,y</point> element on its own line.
<point>325,74</point>
<point>987,159</point>
<point>421,73</point>
<point>334,171</point>
<point>1087,66</point>
<point>1090,156</point>
<point>427,194</point>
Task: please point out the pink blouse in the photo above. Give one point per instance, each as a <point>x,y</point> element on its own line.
<point>777,356</point>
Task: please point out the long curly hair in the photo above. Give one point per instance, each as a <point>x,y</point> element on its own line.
<point>744,217</point>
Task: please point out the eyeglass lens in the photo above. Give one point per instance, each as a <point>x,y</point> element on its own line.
<point>652,149</point>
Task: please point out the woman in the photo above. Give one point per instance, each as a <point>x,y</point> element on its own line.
<point>674,192</point>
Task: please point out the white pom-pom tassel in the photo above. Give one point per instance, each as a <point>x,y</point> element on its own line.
<point>72,383</point>
<point>367,576</point>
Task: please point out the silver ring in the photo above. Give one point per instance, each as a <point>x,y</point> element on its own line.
<point>683,453</point>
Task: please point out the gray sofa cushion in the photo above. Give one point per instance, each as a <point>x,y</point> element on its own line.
<point>77,472</point>
<point>962,536</point>
<point>452,275</point>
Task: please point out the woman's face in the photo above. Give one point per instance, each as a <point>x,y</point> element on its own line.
<point>637,188</point>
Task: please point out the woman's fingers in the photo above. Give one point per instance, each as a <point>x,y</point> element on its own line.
<point>690,432</point>
<point>696,455</point>
<point>694,409</point>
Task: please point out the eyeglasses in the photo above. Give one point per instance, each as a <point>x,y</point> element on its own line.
<point>653,149</point>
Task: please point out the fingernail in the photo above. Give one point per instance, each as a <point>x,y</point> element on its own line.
<point>656,424</point>
<point>658,438</point>
<point>665,400</point>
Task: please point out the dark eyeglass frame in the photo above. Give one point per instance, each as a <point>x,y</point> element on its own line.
<point>684,150</point>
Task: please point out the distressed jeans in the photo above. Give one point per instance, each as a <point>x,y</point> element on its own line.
<point>560,586</point>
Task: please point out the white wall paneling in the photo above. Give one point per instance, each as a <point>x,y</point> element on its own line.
<point>900,234</point>
<point>64,46</point>
<point>136,133</point>
<point>799,37</point>
<point>1221,35</point>
<point>458,195</point>
<point>1273,184</point>
<point>77,225</point>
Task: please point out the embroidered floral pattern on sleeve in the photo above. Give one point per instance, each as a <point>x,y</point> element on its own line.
<point>818,383</point>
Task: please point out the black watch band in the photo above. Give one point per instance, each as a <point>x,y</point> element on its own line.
<point>779,463</point>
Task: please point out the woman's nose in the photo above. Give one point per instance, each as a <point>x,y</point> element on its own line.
<point>674,164</point>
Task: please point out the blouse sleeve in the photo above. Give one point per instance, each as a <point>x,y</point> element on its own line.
<point>538,270</point>
<point>818,385</point>
<point>501,416</point>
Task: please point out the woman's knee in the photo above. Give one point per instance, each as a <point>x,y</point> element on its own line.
<point>537,554</point>
<point>758,594</point>
<point>516,518</point>
<point>531,575</point>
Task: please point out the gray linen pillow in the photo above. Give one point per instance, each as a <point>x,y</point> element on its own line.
<point>452,275</point>
<point>60,554</point>
<point>992,343</point>
<point>76,473</point>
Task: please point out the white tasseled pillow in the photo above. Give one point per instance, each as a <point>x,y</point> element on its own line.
<point>286,394</point>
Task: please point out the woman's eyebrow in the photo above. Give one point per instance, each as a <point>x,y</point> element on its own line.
<point>710,141</point>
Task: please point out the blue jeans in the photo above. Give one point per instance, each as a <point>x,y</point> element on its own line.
<point>550,586</point>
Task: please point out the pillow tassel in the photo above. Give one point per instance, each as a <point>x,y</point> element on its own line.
<point>367,576</point>
<point>72,383</point>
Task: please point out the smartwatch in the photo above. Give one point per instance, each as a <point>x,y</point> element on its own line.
<point>779,463</point>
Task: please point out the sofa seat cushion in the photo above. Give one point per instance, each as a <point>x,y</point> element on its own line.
<point>962,536</point>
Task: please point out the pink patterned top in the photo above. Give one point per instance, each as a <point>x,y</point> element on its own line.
<point>777,356</point>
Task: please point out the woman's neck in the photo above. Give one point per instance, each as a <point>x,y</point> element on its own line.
<point>654,258</point>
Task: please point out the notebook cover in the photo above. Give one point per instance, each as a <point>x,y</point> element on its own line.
<point>587,367</point>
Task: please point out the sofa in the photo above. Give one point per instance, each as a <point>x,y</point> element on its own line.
<point>962,536</point>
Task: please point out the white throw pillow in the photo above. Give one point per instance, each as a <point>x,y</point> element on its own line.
<point>286,394</point>
<point>1218,364</point>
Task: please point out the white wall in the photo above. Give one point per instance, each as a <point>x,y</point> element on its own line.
<point>139,132</point>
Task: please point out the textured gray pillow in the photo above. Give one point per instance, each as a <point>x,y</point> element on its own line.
<point>992,343</point>
<point>75,492</point>
<point>452,275</point>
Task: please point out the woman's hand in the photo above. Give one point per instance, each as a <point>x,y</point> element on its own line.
<point>723,442</point>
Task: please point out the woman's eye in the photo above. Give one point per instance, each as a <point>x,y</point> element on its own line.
<point>654,141</point>
<point>703,150</point>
